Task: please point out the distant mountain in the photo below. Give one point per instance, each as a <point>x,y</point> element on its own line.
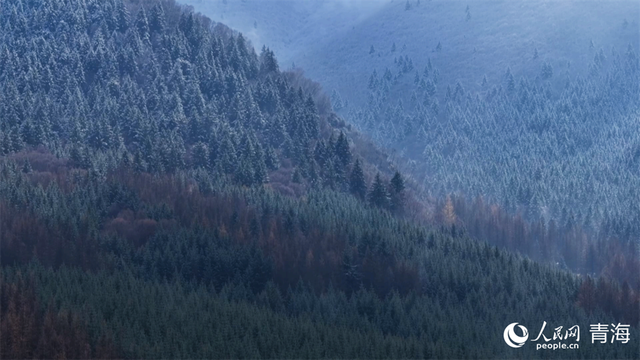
<point>331,39</point>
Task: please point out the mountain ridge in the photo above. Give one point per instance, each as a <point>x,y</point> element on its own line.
<point>497,36</point>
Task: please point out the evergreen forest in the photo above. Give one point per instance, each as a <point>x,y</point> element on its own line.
<point>168,191</point>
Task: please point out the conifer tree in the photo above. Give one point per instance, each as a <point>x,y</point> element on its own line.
<point>268,61</point>
<point>26,167</point>
<point>357,183</point>
<point>342,150</point>
<point>296,177</point>
<point>396,191</point>
<point>373,80</point>
<point>142,25</point>
<point>122,15</point>
<point>378,195</point>
<point>271,159</point>
<point>201,155</point>
<point>547,70</point>
<point>157,21</point>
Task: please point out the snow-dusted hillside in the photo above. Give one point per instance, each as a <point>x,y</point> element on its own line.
<point>331,39</point>
<point>289,27</point>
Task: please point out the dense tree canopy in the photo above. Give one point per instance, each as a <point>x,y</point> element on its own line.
<point>147,210</point>
<point>562,154</point>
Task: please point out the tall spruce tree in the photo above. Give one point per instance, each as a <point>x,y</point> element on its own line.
<point>378,195</point>
<point>342,150</point>
<point>357,183</point>
<point>396,192</point>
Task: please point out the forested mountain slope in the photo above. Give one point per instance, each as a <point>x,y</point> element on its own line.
<point>531,106</point>
<point>166,192</point>
<point>559,150</point>
<point>548,153</point>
